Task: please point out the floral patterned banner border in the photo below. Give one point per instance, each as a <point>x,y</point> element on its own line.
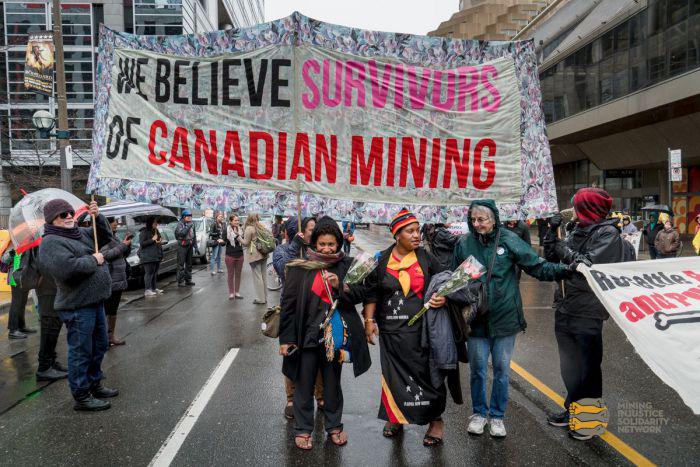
<point>539,195</point>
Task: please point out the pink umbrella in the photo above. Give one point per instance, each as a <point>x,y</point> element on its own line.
<point>27,216</point>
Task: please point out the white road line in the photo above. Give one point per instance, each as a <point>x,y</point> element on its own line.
<point>173,443</point>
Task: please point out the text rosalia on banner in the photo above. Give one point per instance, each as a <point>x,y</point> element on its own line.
<point>316,121</point>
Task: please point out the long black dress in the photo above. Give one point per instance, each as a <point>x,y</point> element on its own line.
<point>407,396</point>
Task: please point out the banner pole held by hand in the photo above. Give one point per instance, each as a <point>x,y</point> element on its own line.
<point>94,228</point>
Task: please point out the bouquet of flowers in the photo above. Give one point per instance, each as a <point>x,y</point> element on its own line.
<point>361,266</point>
<point>471,269</point>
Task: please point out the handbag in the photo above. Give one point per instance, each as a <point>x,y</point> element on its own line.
<point>479,290</point>
<point>270,325</point>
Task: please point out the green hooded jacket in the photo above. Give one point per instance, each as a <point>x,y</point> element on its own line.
<point>505,316</point>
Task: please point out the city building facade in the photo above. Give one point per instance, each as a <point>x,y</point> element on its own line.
<point>621,86</point>
<point>21,148</point>
<point>495,20</point>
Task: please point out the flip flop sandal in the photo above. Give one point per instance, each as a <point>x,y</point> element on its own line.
<point>392,430</point>
<point>431,441</point>
<point>336,438</point>
<point>307,446</point>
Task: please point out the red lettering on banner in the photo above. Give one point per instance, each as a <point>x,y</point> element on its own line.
<point>693,293</point>
<point>373,162</point>
<point>209,151</point>
<point>301,153</point>
<point>693,275</point>
<point>631,312</point>
<point>282,157</point>
<point>327,157</point>
<point>679,298</point>
<point>256,136</point>
<point>162,156</point>
<point>435,163</point>
<point>461,166</point>
<point>646,304</point>
<point>489,166</point>
<point>665,304</point>
<point>232,143</point>
<point>408,157</point>
<point>391,161</point>
<point>180,152</point>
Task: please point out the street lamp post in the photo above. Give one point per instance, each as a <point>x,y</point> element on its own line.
<point>63,143</point>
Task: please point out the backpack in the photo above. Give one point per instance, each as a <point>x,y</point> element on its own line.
<point>27,275</point>
<point>264,241</point>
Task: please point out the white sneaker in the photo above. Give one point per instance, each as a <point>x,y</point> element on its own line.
<point>496,428</point>
<point>159,291</point>
<point>149,293</point>
<point>476,424</point>
<point>213,273</point>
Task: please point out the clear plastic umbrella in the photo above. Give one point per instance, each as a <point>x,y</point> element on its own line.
<point>27,216</point>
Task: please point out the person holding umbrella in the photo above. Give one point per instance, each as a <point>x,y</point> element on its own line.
<point>69,254</point>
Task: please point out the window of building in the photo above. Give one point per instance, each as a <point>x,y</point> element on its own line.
<point>676,40</point>
<point>157,17</point>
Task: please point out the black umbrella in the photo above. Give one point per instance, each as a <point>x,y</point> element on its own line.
<point>138,211</point>
<point>657,208</point>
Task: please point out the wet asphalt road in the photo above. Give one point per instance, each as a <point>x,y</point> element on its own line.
<point>175,341</point>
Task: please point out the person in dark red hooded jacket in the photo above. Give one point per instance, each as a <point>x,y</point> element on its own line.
<point>579,315</point>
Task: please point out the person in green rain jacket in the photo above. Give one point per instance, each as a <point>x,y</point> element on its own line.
<point>494,332</point>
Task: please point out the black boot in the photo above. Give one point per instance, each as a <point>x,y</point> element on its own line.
<point>104,392</point>
<point>56,365</point>
<point>90,404</point>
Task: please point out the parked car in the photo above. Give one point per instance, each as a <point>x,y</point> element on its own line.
<point>169,262</point>
<point>202,227</point>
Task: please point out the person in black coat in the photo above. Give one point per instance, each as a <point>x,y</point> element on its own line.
<point>115,253</point>
<point>150,255</point>
<point>311,286</point>
<point>650,231</point>
<point>579,315</point>
<point>522,230</point>
<point>442,245</point>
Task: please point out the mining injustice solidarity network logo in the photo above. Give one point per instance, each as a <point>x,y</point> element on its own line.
<point>640,417</point>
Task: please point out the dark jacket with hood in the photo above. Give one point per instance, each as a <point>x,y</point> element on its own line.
<point>149,250</point>
<point>80,281</point>
<point>598,243</point>
<point>505,316</point>
<point>115,253</point>
<point>521,230</point>
<point>442,246</point>
<point>297,299</point>
<point>651,233</point>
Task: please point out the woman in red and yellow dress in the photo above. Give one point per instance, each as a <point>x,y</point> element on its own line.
<point>394,293</point>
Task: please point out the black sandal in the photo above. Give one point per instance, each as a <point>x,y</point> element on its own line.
<point>392,429</point>
<point>431,441</point>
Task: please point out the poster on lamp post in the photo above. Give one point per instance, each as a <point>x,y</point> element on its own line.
<point>39,63</point>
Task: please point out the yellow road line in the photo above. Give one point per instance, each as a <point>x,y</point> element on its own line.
<point>616,443</point>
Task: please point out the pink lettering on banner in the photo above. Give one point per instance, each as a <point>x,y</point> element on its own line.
<point>379,90</point>
<point>354,82</point>
<point>490,106</point>
<point>327,99</point>
<point>437,90</point>
<point>417,94</point>
<point>468,82</point>
<point>310,101</point>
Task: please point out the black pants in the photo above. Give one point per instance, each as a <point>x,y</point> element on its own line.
<point>184,264</point>
<point>17,306</point>
<point>50,330</point>
<point>653,254</point>
<point>580,342</point>
<point>310,361</point>
<point>112,303</point>
<point>150,274</point>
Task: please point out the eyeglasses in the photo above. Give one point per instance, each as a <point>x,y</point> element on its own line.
<point>64,215</point>
<point>479,220</point>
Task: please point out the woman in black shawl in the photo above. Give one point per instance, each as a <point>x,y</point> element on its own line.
<point>395,292</point>
<point>314,335</point>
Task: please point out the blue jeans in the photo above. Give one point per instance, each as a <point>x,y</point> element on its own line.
<point>87,344</point>
<point>215,257</point>
<point>501,351</point>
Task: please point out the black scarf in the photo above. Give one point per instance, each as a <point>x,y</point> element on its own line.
<point>74,233</point>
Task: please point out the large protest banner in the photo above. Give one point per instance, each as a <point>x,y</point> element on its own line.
<point>657,305</point>
<point>360,122</point>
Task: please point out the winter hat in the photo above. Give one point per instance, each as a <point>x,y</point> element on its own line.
<point>56,207</point>
<point>401,220</point>
<point>592,205</point>
<point>186,213</point>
